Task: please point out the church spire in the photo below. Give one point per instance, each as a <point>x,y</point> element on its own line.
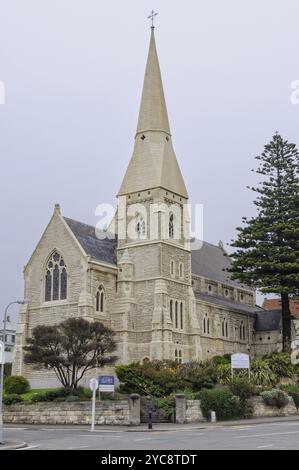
<point>153,112</point>
<point>153,163</point>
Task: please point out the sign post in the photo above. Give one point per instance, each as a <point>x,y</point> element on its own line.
<point>240,361</point>
<point>93,385</point>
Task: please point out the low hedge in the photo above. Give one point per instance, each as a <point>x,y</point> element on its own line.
<point>11,399</point>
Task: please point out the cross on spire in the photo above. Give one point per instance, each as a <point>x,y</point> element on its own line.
<point>152,17</point>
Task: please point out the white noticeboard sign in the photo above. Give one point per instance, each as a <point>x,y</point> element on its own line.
<point>2,353</point>
<point>240,361</point>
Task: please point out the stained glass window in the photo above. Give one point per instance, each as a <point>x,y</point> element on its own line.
<point>56,278</point>
<point>48,287</point>
<point>56,283</point>
<point>63,284</point>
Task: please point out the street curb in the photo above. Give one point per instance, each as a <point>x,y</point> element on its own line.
<point>21,445</point>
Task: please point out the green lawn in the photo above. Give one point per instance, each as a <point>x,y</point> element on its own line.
<point>28,395</point>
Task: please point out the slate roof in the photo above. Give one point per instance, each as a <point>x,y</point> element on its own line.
<point>99,249</point>
<point>230,304</point>
<point>267,320</point>
<point>210,262</point>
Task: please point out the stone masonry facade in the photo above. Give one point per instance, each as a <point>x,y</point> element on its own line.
<point>163,298</point>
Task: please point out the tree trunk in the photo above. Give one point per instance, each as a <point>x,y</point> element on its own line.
<point>286,322</point>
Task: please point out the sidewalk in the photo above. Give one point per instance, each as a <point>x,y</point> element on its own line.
<point>160,426</point>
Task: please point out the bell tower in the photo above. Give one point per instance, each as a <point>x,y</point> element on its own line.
<point>152,228</point>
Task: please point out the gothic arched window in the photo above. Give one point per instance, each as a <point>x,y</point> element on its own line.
<point>176,314</point>
<point>171,309</point>
<point>181,315</point>
<point>171,226</point>
<point>140,227</point>
<point>100,300</point>
<point>56,278</point>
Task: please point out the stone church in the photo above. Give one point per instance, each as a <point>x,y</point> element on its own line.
<point>163,298</point>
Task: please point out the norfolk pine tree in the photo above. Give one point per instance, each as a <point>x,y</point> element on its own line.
<point>267,246</point>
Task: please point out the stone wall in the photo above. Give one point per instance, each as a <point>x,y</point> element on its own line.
<point>260,409</point>
<point>189,411</point>
<point>122,412</point>
<point>193,411</point>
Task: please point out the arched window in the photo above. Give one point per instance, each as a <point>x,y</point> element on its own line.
<point>100,300</point>
<point>171,310</point>
<point>172,268</point>
<point>224,327</point>
<point>181,315</point>
<point>242,331</point>
<point>181,270</point>
<point>206,324</point>
<point>55,278</point>
<point>140,227</point>
<point>176,314</point>
<point>171,226</point>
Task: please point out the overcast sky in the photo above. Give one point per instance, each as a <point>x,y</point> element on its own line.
<point>73,73</point>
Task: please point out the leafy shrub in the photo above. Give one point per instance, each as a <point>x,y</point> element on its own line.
<point>275,397</point>
<point>280,364</point>
<point>221,360</point>
<point>241,387</point>
<point>87,393</point>
<point>197,375</point>
<point>166,404</point>
<point>11,399</point>
<point>16,384</point>
<point>222,401</point>
<point>293,391</point>
<point>262,374</point>
<point>162,378</point>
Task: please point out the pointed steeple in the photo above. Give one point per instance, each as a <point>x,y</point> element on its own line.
<point>153,163</point>
<point>153,112</point>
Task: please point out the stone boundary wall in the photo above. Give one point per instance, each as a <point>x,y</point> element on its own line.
<point>122,412</point>
<point>261,410</point>
<point>189,411</point>
<point>193,412</point>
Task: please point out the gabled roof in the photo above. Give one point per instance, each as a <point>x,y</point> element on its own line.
<point>211,262</point>
<point>267,320</point>
<point>95,243</point>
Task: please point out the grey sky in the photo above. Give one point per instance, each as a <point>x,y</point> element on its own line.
<point>73,72</point>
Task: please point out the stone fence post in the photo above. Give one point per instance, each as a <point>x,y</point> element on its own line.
<point>180,408</point>
<point>134,406</point>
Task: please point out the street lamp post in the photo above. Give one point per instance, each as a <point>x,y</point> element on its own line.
<point>20,302</point>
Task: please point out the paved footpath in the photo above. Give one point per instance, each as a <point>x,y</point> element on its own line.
<point>262,434</point>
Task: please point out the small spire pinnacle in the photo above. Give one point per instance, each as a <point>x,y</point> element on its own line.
<point>152,17</point>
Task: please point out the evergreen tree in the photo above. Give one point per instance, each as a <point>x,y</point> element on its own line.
<point>267,246</point>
